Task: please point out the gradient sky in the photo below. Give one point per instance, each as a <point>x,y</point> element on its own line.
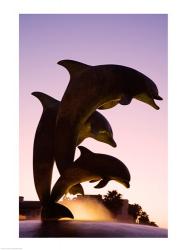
<point>138,41</point>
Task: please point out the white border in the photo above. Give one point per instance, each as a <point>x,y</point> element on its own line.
<point>9,118</point>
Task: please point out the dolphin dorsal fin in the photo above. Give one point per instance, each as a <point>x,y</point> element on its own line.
<point>84,151</point>
<point>46,100</point>
<point>73,67</point>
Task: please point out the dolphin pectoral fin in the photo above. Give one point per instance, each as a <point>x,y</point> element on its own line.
<point>73,67</point>
<point>102,183</point>
<point>76,189</point>
<point>92,181</point>
<point>55,211</point>
<point>125,100</point>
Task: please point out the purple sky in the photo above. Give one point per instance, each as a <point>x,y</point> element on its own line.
<point>137,41</point>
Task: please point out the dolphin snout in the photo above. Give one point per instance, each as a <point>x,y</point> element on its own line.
<point>127,185</point>
<point>159,98</point>
<point>113,143</point>
<point>155,106</point>
<point>144,97</point>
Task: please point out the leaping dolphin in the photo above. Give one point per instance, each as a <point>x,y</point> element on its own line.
<point>91,166</point>
<point>90,88</point>
<point>96,127</point>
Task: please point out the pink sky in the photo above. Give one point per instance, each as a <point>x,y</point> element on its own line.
<point>137,41</point>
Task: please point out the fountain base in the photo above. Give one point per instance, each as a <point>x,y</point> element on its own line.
<point>87,229</point>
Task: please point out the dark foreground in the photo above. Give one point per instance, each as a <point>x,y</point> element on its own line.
<point>87,229</point>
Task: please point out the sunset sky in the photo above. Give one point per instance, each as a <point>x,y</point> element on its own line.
<point>137,41</point>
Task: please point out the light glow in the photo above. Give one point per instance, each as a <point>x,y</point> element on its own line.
<point>88,209</point>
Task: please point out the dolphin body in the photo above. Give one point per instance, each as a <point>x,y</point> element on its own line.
<point>91,167</point>
<point>90,88</point>
<point>96,127</point>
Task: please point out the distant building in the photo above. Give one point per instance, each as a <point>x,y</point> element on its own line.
<point>21,198</point>
<point>89,196</point>
<point>30,209</point>
<point>123,213</point>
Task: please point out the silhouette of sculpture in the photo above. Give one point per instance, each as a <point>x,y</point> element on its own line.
<point>64,125</point>
<point>91,166</point>
<point>96,127</point>
<point>93,87</point>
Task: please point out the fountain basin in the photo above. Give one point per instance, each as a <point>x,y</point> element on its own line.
<point>87,229</point>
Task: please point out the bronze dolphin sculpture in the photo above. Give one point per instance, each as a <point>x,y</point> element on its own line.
<point>90,88</point>
<point>88,167</point>
<point>96,127</point>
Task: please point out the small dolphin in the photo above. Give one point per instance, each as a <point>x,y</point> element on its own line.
<point>90,88</point>
<point>88,167</point>
<point>96,127</point>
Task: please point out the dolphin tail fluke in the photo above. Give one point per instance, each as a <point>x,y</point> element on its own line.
<point>73,67</point>
<point>55,211</point>
<point>46,100</point>
<point>76,189</point>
